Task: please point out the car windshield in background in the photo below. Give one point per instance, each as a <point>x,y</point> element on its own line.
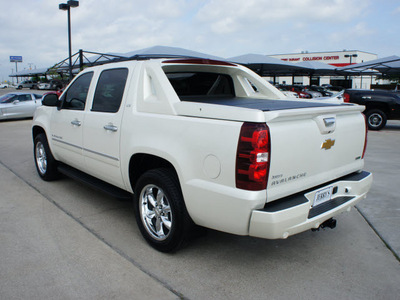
<point>7,98</point>
<point>201,84</point>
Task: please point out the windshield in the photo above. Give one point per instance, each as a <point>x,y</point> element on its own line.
<point>7,98</point>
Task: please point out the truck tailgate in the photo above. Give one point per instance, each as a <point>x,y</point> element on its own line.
<point>310,147</point>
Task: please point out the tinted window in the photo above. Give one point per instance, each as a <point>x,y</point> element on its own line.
<point>24,97</point>
<point>9,98</point>
<point>201,84</point>
<point>109,90</point>
<point>75,97</point>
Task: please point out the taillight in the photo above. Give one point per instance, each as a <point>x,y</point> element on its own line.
<point>346,97</point>
<point>366,136</point>
<point>253,156</point>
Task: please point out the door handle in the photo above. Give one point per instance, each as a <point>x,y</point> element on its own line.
<point>76,122</point>
<point>329,122</point>
<point>110,127</point>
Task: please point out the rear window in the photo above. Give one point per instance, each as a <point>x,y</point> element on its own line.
<point>109,90</point>
<point>201,84</point>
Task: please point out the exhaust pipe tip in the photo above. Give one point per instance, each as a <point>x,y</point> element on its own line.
<point>330,223</point>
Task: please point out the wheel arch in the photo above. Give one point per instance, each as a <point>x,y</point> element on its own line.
<point>36,130</point>
<point>143,162</point>
<point>382,106</point>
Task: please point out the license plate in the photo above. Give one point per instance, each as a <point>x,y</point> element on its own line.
<point>323,195</point>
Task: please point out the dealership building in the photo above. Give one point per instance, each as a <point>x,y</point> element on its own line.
<point>337,59</point>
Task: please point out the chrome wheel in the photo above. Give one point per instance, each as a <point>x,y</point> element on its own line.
<point>45,163</point>
<point>375,120</point>
<point>160,210</point>
<point>41,158</point>
<point>155,212</point>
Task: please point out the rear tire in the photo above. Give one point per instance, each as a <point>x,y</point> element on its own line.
<point>45,163</point>
<point>160,210</point>
<point>376,119</point>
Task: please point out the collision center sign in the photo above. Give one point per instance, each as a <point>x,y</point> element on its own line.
<point>313,58</point>
<point>15,58</point>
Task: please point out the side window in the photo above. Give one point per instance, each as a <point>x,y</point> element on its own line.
<point>75,97</point>
<point>11,99</point>
<point>25,97</point>
<point>109,90</point>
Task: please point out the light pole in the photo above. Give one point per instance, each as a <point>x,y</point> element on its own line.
<point>350,55</point>
<point>67,6</point>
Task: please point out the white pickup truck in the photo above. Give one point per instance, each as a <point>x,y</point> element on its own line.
<point>204,143</point>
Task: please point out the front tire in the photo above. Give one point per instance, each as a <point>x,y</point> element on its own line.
<point>160,211</point>
<point>45,163</point>
<point>376,119</point>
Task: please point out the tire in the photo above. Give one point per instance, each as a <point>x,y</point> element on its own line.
<point>45,163</point>
<point>376,119</point>
<point>160,211</point>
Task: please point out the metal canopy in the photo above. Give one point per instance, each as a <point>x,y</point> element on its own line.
<point>29,73</point>
<point>165,52</point>
<point>83,58</point>
<point>387,66</point>
<point>261,64</point>
<point>317,68</point>
<point>267,66</point>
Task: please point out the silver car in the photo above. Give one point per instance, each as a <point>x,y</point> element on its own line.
<point>19,105</point>
<point>27,84</point>
<point>51,85</point>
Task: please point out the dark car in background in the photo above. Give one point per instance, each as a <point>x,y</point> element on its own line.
<point>380,106</point>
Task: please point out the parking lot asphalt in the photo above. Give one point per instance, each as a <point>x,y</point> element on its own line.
<point>382,206</point>
<point>63,240</point>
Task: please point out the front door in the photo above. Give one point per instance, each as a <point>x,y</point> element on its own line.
<point>68,122</point>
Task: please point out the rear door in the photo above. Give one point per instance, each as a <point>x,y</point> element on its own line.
<point>102,130</point>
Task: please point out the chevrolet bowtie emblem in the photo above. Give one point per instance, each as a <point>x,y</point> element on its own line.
<point>328,144</point>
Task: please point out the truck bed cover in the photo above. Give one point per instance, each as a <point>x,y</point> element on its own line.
<point>257,103</point>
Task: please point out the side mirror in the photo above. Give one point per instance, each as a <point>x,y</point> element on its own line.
<point>15,102</point>
<point>50,100</point>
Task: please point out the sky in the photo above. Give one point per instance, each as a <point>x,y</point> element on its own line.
<point>37,30</point>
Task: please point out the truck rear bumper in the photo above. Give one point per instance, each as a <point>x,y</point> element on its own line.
<point>294,214</point>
